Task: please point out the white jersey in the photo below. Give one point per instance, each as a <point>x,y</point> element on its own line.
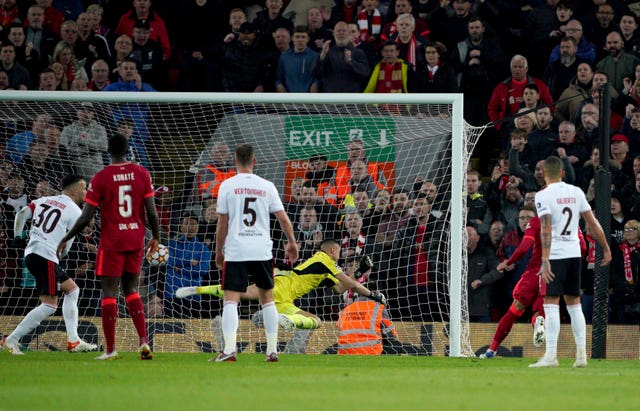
<point>248,200</point>
<point>565,203</point>
<point>52,218</point>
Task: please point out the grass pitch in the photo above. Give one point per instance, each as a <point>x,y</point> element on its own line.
<point>61,381</point>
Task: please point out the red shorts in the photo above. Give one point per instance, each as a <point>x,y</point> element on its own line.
<point>528,290</point>
<point>113,263</point>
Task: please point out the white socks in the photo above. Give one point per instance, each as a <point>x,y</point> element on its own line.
<point>230,322</point>
<point>579,326</point>
<point>70,313</point>
<point>552,330</point>
<point>31,321</point>
<point>270,318</point>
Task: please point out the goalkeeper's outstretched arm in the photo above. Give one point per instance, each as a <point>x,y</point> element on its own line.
<point>348,283</point>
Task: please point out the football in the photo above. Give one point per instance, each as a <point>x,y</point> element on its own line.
<point>159,257</point>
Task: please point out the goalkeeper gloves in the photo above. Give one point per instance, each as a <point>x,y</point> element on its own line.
<point>365,265</point>
<point>19,243</point>
<point>378,297</point>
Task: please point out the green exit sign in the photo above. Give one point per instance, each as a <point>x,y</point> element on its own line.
<point>329,135</point>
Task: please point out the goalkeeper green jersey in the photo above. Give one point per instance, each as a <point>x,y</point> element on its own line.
<point>318,271</point>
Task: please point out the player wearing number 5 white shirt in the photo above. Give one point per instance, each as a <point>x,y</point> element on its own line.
<point>244,247</point>
<point>51,218</point>
<point>560,207</point>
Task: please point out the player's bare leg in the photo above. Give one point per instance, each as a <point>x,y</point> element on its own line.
<point>70,313</point>
<point>136,311</point>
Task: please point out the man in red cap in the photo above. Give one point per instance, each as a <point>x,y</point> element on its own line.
<point>620,153</point>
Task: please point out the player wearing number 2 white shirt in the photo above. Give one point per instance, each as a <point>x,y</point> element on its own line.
<point>560,207</point>
<point>244,248</point>
<point>51,217</point>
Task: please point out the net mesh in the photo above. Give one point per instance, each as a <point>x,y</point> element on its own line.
<point>386,193</point>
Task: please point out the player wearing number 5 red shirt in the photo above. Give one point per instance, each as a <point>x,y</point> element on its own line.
<point>244,248</point>
<point>123,192</point>
<point>560,207</point>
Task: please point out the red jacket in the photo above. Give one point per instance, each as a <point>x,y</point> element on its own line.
<point>504,102</point>
<point>158,31</point>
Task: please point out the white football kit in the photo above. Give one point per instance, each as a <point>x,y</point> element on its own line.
<point>52,217</point>
<point>248,200</point>
<point>565,203</point>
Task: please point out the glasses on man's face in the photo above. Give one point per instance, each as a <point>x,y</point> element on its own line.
<point>629,229</point>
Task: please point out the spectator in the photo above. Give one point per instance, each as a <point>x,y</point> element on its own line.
<point>541,141</point>
<point>168,213</point>
<point>355,151</point>
<point>47,80</point>
<point>142,11</point>
<point>26,55</point>
<point>18,75</point>
<point>4,81</point>
<point>282,41</point>
<point>298,68</point>
<point>559,72</point>
<point>479,61</point>
<point>307,197</point>
<point>79,84</point>
<point>270,19</point>
<point>70,8</point>
<point>435,74</point>
<point>344,68</point>
<point>69,32</point>
<point>507,96</point>
<point>482,275</point>
<point>297,10</point>
<point>189,261</point>
<point>89,45</point>
<point>318,32</point>
<point>568,148</point>
<point>130,79</point>
<point>588,132</point>
<point>347,11</point>
<point>366,329</point>
<point>403,7</point>
<point>58,161</point>
<point>148,54</point>
<point>618,64</point>
<point>13,198</point>
<point>43,40</point>
<point>585,50</point>
<point>539,29</point>
<point>209,223</point>
<point>392,74</point>
<point>369,51</point>
<point>581,85</point>
<point>620,153</point>
<point>478,212</point>
<point>630,35</point>
<point>354,240</point>
<point>409,43</point>
<point>309,233</point>
<point>380,210</point>
<point>18,145</point>
<point>631,129</point>
<point>86,141</point>
<point>63,54</point>
<point>214,173</point>
<point>598,26</point>
<point>245,67</point>
<point>99,75</point>
<point>320,174</point>
<point>632,193</point>
<point>9,13</point>
<point>370,23</point>
<point>35,166</point>
<point>97,12</point>
<point>137,150</point>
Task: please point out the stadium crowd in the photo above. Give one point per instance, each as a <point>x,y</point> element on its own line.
<point>546,59</point>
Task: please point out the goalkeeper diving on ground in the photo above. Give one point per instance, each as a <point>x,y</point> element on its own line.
<point>320,270</point>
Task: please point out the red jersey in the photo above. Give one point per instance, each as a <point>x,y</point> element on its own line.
<point>120,190</point>
<point>531,238</point>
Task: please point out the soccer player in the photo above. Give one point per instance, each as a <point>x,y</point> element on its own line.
<point>244,248</point>
<point>560,206</point>
<point>52,216</point>
<point>123,192</point>
<point>526,292</point>
<point>320,270</point>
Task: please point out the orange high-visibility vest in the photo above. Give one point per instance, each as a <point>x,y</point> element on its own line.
<point>213,186</point>
<point>360,328</point>
<point>336,193</point>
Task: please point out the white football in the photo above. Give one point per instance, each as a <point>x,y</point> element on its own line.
<point>160,256</point>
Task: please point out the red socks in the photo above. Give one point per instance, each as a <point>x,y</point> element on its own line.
<point>136,311</point>
<point>504,327</point>
<point>109,318</point>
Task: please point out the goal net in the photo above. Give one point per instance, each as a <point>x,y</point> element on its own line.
<point>382,174</point>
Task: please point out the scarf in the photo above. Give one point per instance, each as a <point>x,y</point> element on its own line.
<point>359,246</point>
<point>363,24</point>
<point>411,51</point>
<point>390,78</point>
<point>627,249</point>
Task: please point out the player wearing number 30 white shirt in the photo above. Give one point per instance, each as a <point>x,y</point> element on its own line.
<point>51,218</point>
<point>560,207</point>
<point>244,248</point>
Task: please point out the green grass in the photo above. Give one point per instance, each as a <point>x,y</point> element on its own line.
<point>61,381</point>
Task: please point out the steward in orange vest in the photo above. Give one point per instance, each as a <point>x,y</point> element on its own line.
<point>362,325</point>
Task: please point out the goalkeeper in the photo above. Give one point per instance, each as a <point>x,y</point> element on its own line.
<point>320,270</point>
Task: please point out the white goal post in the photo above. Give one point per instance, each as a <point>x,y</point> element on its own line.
<point>432,117</point>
